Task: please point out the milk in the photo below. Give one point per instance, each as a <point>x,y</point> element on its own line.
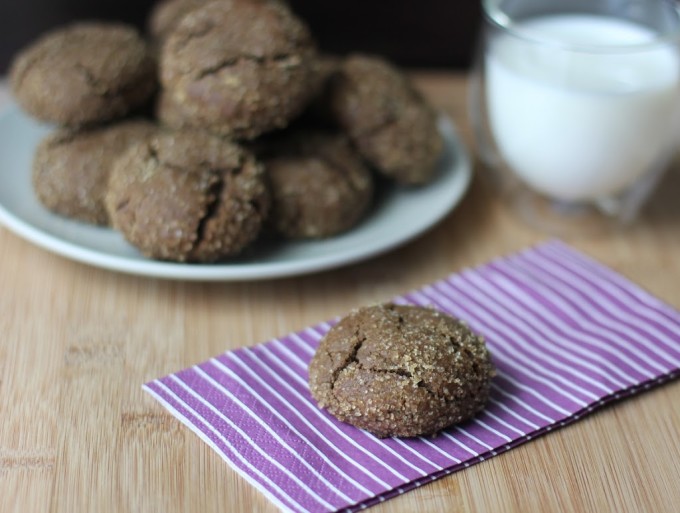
<point>580,125</point>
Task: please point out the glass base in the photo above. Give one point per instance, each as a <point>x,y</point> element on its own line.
<point>564,218</point>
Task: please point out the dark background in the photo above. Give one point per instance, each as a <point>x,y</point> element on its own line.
<point>414,33</point>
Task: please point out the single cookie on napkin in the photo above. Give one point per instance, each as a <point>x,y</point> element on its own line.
<point>399,370</point>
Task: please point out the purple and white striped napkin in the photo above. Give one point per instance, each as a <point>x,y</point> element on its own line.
<point>567,336</point>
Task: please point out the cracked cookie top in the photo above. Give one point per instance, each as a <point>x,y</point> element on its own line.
<point>188,197</point>
<point>387,119</point>
<point>320,186</point>
<point>399,370</point>
<point>84,73</point>
<point>239,67</point>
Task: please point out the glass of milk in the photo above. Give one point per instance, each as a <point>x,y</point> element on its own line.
<point>576,105</point>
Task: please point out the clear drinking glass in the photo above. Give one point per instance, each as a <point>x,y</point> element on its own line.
<point>576,106</point>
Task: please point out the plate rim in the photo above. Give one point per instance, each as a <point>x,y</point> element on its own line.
<point>241,271</point>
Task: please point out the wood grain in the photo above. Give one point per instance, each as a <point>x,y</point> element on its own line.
<point>79,435</point>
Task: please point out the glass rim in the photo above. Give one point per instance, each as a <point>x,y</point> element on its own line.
<point>494,14</point>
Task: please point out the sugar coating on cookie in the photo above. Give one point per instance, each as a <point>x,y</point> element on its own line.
<point>84,73</point>
<point>320,187</point>
<point>386,118</point>
<point>239,68</point>
<point>188,197</point>
<point>399,370</point>
<point>71,167</point>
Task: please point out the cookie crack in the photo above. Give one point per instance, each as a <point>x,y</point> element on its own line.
<point>122,204</point>
<point>454,343</point>
<point>373,131</point>
<point>351,358</point>
<point>153,154</point>
<point>159,162</point>
<point>87,75</point>
<point>426,386</point>
<point>211,70</point>
<point>399,372</point>
<point>214,194</point>
<point>180,44</point>
<point>99,88</point>
<point>96,85</point>
<point>233,61</point>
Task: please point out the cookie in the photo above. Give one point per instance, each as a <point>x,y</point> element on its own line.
<point>188,197</point>
<point>389,122</point>
<point>320,187</point>
<point>401,371</point>
<point>71,167</point>
<point>84,73</point>
<point>239,68</point>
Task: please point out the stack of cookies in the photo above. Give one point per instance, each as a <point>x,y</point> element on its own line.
<point>223,126</point>
<point>84,79</point>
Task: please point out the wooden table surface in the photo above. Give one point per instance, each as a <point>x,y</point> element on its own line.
<point>77,434</point>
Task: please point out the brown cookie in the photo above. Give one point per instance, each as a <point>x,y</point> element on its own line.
<point>401,371</point>
<point>188,197</point>
<point>71,167</point>
<point>84,73</point>
<point>389,122</point>
<point>320,187</point>
<point>239,68</point>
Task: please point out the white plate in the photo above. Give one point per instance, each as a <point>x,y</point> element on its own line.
<point>399,216</point>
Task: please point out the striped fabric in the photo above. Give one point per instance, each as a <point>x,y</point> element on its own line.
<point>566,333</point>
